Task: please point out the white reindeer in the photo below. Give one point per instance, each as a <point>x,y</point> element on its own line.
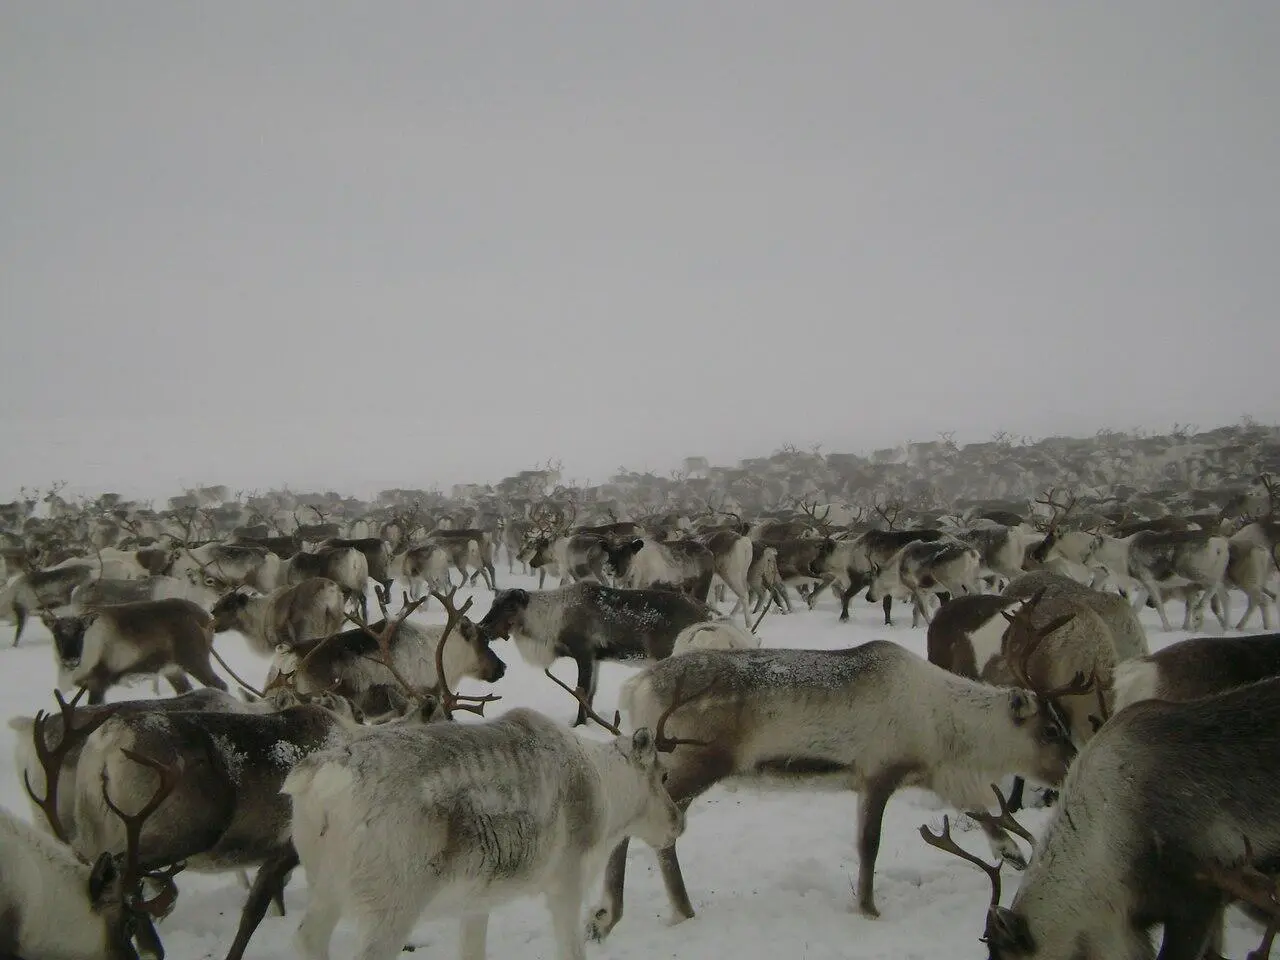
<point>456,819</point>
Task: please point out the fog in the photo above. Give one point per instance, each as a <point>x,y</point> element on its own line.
<point>360,246</point>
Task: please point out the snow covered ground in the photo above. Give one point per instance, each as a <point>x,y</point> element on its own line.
<point>770,874</point>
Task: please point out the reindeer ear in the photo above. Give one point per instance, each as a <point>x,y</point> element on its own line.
<point>520,595</point>
<point>105,871</point>
<point>642,746</point>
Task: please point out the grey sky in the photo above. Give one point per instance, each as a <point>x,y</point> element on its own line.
<point>365,245</point>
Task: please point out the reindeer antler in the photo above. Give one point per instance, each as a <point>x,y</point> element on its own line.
<point>169,775</point>
<point>1005,819</point>
<point>661,741</point>
<point>450,701</point>
<point>384,637</point>
<point>667,744</point>
<point>944,842</point>
<point>581,696</point>
<point>51,759</point>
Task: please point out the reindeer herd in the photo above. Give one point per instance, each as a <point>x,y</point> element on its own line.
<point>350,762</point>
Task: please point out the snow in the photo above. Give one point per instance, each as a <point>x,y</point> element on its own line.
<point>768,873</point>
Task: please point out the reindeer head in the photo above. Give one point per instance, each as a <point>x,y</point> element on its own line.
<point>68,636</point>
<point>536,552</point>
<point>506,613</point>
<point>227,611</point>
<point>621,555</point>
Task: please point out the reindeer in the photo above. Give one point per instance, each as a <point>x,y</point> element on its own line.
<point>494,811</point>
<point>1197,667</point>
<point>1187,558</point>
<point>582,556</point>
<point>223,566</point>
<point>469,547</point>
<point>307,610</point>
<point>590,623</point>
<point>345,566</point>
<point>1002,550</point>
<point>1249,567</point>
<point>345,663</point>
<point>683,565</point>
<point>731,554</point>
<point>1128,636</point>
<point>377,555</point>
<point>40,590</point>
<point>852,561</point>
<point>875,718</point>
<point>764,580</point>
<point>1161,791</point>
<point>27,755</point>
<point>801,561</point>
<point>922,567</point>
<point>427,564</point>
<point>100,593</point>
<point>57,903</point>
<point>228,812</point>
<point>716,635</point>
<point>515,532</point>
<point>106,645</point>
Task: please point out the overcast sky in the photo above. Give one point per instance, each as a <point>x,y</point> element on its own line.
<point>361,245</point>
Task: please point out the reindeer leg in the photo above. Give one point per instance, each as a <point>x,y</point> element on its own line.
<point>685,784</point>
<point>587,678</point>
<point>269,884</point>
<point>1158,598</point>
<point>875,796</point>
<point>564,902</point>
<point>1188,932</point>
<point>19,621</point>
<point>887,603</point>
<point>607,913</point>
<point>1015,794</point>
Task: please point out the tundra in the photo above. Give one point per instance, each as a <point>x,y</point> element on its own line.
<point>590,623</point>
<point>456,819</point>
<point>874,718</point>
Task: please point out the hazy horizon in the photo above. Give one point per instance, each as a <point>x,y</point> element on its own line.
<point>408,245</point>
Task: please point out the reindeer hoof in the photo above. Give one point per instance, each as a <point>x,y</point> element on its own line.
<point>869,911</point>
<point>600,924</point>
